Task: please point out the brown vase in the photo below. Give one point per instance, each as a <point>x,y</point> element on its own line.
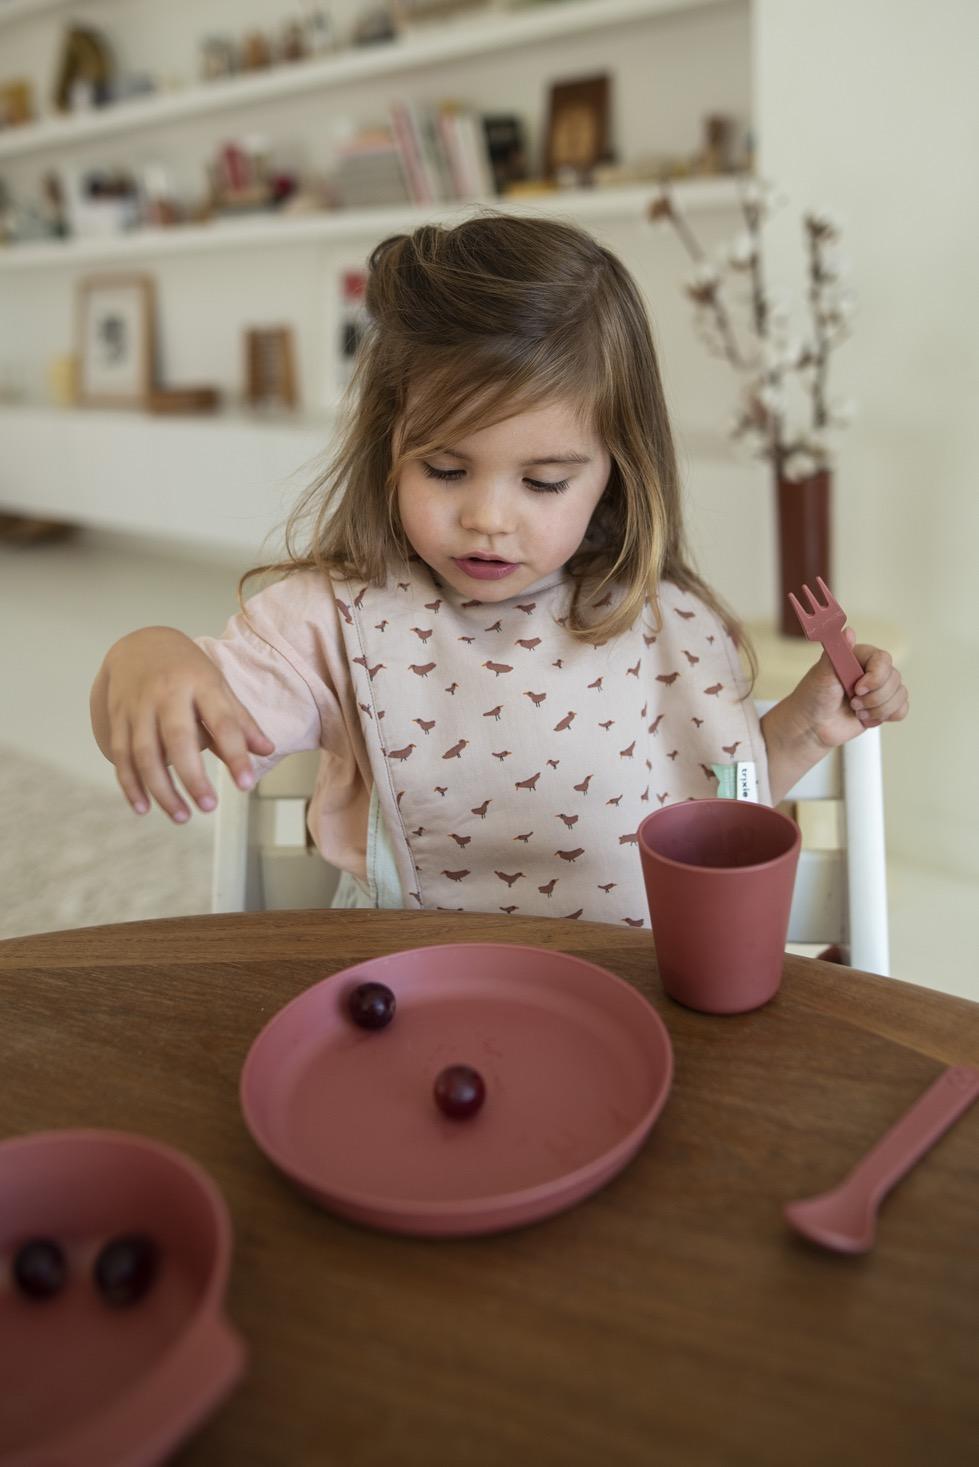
<point>803,542</point>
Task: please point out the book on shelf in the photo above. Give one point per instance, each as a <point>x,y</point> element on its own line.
<point>370,169</point>
<point>448,149</point>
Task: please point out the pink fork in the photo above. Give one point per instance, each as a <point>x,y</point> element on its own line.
<point>825,624</point>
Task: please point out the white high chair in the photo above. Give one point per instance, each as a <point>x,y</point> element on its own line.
<point>264,859</point>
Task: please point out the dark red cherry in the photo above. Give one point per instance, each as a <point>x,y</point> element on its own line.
<point>125,1268</point>
<point>371,1005</point>
<point>459,1091</point>
<point>39,1268</point>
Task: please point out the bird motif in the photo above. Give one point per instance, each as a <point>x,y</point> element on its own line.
<point>496,627</point>
<point>524,838</point>
<point>401,754</point>
<point>597,685</point>
<point>672,754</point>
<point>460,840</point>
<point>425,724</point>
<point>419,831</point>
<point>608,886</point>
<point>529,642</point>
<point>433,606</point>
<point>654,726</point>
<point>497,667</point>
<point>527,784</point>
<point>708,771</point>
<point>648,640</point>
<point>713,690</point>
<point>509,879</point>
<point>582,788</point>
<point>667,678</point>
<point>468,640</point>
<point>422,633</point>
<point>690,657</point>
<point>711,641</point>
<point>571,855</point>
<point>467,605</point>
<point>566,722</point>
<point>634,671</point>
<point>452,688</point>
<point>366,708</point>
<point>614,801</point>
<point>548,887</point>
<point>404,585</point>
<point>553,763</point>
<point>526,607</point>
<point>535,698</point>
<point>663,797</point>
<point>558,663</point>
<point>359,598</point>
<point>731,749</point>
<point>455,875</point>
<point>573,916</point>
<point>456,751</point>
<point>503,754</point>
<point>569,820</point>
<point>440,789</point>
<point>605,601</point>
<point>509,910</point>
<point>628,752</point>
<point>698,721</point>
<point>345,611</point>
<point>494,712</point>
<point>687,615</point>
<point>379,626</point>
<point>609,723</point>
<point>420,669</point>
<point>480,810</point>
<point>644,797</point>
<point>633,921</point>
<point>629,840</point>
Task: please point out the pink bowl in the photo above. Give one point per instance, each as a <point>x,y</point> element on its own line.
<point>85,1384</point>
<point>577,1066</point>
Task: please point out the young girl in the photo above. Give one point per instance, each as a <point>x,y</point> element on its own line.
<point>494,635</point>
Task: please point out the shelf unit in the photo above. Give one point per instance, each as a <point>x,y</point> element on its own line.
<point>477,36</point>
<point>229,479</point>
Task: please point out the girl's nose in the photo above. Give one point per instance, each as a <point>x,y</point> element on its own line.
<point>488,512</point>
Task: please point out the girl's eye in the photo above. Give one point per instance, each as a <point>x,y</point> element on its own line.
<point>536,484</point>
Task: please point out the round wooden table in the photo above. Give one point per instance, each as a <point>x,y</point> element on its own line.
<point>672,1318</point>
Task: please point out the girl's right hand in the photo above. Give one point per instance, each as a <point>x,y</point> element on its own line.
<point>157,701</point>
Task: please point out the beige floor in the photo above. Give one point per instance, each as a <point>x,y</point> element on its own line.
<point>62,605</point>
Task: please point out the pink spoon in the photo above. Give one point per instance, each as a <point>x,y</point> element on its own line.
<point>845,1218</point>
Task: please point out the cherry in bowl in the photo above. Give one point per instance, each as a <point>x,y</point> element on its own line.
<point>371,1005</point>
<point>459,1091</point>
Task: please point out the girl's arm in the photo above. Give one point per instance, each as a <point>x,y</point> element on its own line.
<point>817,716</point>
<point>156,702</point>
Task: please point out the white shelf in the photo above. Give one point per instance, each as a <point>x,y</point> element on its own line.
<point>472,37</point>
<point>596,205</point>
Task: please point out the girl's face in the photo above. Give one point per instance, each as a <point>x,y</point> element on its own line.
<point>520,492</point>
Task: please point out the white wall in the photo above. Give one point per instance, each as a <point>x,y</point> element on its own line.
<point>872,109</point>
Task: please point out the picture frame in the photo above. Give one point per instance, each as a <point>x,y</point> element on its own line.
<point>577,135</point>
<point>116,335</point>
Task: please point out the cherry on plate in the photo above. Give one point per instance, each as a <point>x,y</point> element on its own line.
<point>39,1268</point>
<point>459,1091</point>
<point>371,1005</point>
<point>126,1268</point>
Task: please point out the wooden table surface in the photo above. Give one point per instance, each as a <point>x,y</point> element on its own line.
<point>670,1319</point>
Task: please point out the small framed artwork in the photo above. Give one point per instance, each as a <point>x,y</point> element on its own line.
<point>116,340</point>
<point>577,126</point>
<point>270,367</point>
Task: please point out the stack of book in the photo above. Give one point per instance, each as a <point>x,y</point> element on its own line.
<point>430,154</point>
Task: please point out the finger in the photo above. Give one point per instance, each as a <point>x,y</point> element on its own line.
<point>120,752</point>
<point>152,769</point>
<point>181,749</point>
<point>876,664</point>
<point>879,696</point>
<point>891,712</point>
<point>228,738</point>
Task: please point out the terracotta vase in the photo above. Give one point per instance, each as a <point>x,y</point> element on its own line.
<point>803,542</point>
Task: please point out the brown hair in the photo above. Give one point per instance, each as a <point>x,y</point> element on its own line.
<point>493,317</point>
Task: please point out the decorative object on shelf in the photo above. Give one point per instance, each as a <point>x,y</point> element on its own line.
<point>99,202</point>
<point>408,13</point>
<point>767,420</point>
<point>719,151</point>
<point>292,46</point>
<point>85,72</point>
<point>219,57</point>
<point>16,103</point>
<point>577,130</point>
<point>183,400</point>
<point>353,321</point>
<point>18,529</point>
<point>319,30</point>
<point>373,25</point>
<point>62,375</point>
<point>116,340</point>
<point>256,51</point>
<point>506,146</point>
<point>270,372</point>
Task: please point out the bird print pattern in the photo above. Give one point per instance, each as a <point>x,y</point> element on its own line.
<point>529,754</point>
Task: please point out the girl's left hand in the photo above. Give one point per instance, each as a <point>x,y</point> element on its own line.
<point>879,696</point>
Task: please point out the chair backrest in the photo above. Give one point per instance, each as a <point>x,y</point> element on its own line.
<point>264,858</point>
<point>840,896</point>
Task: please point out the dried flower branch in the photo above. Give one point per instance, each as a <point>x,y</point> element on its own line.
<point>767,367</point>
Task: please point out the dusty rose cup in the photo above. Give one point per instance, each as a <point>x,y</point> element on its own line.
<point>719,877</point>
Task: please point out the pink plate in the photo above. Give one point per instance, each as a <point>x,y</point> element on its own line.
<point>85,1384</point>
<point>577,1066</point>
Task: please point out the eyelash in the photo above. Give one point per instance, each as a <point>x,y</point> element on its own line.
<point>536,485</point>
